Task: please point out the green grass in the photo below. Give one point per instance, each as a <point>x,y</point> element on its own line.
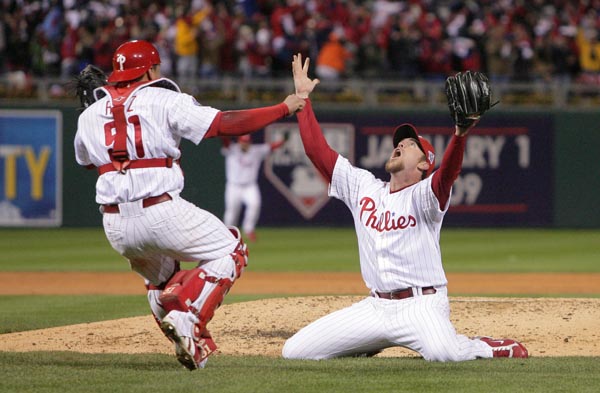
<point>320,249</point>
<point>278,249</point>
<point>21,313</point>
<point>522,250</point>
<point>30,312</point>
<point>64,249</point>
<point>73,372</point>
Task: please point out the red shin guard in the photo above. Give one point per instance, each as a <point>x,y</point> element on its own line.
<point>213,301</point>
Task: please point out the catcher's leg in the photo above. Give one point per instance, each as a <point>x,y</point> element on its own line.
<point>154,292</point>
<point>191,297</point>
<point>202,289</point>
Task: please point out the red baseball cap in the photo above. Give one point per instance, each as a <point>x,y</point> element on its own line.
<point>244,138</point>
<point>407,130</point>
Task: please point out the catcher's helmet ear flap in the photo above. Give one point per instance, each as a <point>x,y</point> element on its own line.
<point>132,59</point>
<point>407,130</point>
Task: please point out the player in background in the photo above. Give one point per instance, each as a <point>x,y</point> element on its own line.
<point>398,226</point>
<point>242,164</point>
<point>131,135</point>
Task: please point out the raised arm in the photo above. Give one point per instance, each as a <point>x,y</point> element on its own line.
<point>450,167</point>
<point>316,147</point>
<point>469,96</point>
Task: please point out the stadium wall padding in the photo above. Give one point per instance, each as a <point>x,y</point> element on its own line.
<point>572,162</point>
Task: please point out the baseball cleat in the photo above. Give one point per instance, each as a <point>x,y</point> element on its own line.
<point>186,350</point>
<point>505,347</point>
<point>252,236</point>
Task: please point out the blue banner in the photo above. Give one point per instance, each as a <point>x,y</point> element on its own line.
<point>30,168</point>
<point>506,178</point>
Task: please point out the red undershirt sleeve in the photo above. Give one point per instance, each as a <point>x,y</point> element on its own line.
<point>448,172</point>
<point>276,145</point>
<point>236,123</point>
<point>316,147</point>
<point>226,141</point>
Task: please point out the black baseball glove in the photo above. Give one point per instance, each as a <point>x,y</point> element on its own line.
<point>469,97</point>
<point>86,81</point>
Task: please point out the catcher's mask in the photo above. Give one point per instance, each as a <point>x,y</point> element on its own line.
<point>132,59</point>
<point>406,130</point>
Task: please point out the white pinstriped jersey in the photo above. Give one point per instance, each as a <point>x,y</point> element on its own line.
<point>241,167</point>
<point>398,233</point>
<point>157,118</point>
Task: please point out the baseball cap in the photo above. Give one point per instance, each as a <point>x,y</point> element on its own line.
<point>407,130</point>
<point>244,138</point>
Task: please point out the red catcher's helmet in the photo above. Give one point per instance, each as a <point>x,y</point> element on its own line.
<point>132,59</point>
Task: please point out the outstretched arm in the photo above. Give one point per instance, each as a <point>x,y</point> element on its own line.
<point>316,147</point>
<point>276,145</point>
<point>235,123</point>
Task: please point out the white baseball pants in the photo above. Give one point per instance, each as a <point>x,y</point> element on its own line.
<point>421,323</point>
<point>153,238</point>
<point>238,195</point>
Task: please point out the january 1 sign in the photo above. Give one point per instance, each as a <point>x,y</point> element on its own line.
<point>30,168</point>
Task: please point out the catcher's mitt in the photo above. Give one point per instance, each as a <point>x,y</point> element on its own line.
<point>469,96</point>
<point>86,81</point>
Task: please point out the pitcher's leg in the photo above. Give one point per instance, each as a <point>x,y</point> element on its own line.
<point>431,333</point>
<point>351,331</point>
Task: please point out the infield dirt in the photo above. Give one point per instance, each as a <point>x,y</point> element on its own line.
<point>547,326</point>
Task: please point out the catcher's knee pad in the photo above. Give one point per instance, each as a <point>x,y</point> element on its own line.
<point>183,289</point>
<point>240,254</point>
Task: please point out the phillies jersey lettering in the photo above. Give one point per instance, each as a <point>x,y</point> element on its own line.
<point>386,221</point>
<point>398,232</point>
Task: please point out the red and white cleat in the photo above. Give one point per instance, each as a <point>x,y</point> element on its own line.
<point>192,347</point>
<point>505,347</point>
<point>251,236</point>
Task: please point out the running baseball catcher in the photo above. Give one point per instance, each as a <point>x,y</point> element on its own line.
<point>90,78</point>
<point>469,97</point>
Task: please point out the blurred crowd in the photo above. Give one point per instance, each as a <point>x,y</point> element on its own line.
<point>510,40</point>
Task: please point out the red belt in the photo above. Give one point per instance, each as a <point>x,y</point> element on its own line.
<point>143,163</point>
<point>404,293</point>
<point>145,203</point>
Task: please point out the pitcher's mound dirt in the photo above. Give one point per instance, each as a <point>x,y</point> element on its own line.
<point>547,327</point>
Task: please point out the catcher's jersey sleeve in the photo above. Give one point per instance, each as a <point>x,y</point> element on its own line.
<point>398,232</point>
<point>157,120</point>
<point>189,119</point>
